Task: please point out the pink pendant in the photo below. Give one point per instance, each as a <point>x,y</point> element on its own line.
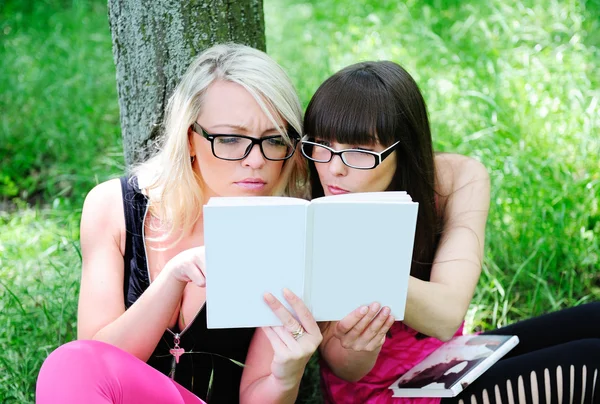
<point>177,352</point>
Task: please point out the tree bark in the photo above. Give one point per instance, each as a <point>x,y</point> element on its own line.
<point>154,42</point>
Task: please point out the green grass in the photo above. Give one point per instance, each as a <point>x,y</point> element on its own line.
<point>39,260</point>
<point>513,84</point>
<point>59,129</point>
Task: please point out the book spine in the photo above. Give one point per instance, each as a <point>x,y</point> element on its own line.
<point>422,393</point>
<point>308,257</point>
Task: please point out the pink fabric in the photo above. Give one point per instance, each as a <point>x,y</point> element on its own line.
<point>94,372</point>
<point>399,353</point>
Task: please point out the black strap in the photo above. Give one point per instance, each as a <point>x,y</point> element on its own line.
<point>135,276</point>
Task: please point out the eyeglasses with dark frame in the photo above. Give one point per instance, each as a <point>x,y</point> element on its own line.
<point>353,158</point>
<point>237,147</point>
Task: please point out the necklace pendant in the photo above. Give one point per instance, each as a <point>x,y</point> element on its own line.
<point>177,352</point>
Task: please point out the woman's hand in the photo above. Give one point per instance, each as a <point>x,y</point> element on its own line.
<point>364,329</point>
<point>294,342</point>
<point>188,266</point>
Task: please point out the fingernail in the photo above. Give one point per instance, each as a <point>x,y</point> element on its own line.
<point>375,306</point>
<point>269,298</point>
<point>386,311</point>
<point>364,309</point>
<point>288,293</point>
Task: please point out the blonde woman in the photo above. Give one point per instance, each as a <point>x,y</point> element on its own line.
<point>231,128</point>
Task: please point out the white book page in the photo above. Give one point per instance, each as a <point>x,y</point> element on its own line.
<point>255,201</point>
<point>251,250</point>
<point>362,253</point>
<point>392,196</point>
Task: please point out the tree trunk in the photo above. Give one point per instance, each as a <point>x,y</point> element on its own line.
<point>154,42</point>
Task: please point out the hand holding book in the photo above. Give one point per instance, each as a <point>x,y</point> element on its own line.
<point>295,341</point>
<point>335,252</point>
<point>365,328</point>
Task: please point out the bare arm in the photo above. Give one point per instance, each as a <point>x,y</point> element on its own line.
<point>438,307</point>
<point>351,346</point>
<point>275,362</point>
<point>101,312</point>
<point>258,383</point>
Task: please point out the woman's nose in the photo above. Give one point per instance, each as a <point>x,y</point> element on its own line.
<point>255,158</point>
<point>337,166</point>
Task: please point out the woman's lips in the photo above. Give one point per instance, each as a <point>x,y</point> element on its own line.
<point>251,183</point>
<point>336,190</point>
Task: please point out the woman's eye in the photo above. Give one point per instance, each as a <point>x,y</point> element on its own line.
<point>228,139</point>
<point>276,141</point>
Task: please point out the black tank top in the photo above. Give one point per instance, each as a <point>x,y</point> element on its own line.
<point>212,352</point>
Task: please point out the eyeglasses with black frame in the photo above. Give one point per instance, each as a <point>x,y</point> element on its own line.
<point>353,158</point>
<point>237,147</point>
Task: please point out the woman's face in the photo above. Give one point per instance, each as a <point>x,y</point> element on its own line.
<point>338,178</point>
<point>229,109</point>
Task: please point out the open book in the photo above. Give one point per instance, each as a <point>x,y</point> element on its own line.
<point>452,367</point>
<point>335,252</point>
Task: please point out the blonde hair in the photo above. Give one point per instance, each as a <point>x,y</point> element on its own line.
<point>167,179</point>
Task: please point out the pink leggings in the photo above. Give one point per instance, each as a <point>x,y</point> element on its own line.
<point>94,372</point>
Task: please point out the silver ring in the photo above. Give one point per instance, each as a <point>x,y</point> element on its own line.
<point>299,332</point>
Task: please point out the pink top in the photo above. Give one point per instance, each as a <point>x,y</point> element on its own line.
<point>402,351</point>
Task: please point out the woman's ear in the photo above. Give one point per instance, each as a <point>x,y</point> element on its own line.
<point>191,147</point>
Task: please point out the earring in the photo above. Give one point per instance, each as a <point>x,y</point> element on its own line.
<point>192,159</point>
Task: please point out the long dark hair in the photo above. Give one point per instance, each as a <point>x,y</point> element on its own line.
<point>379,101</point>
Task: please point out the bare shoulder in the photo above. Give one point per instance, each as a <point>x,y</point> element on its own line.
<point>455,171</point>
<point>105,191</point>
<point>102,240</point>
<point>103,213</point>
